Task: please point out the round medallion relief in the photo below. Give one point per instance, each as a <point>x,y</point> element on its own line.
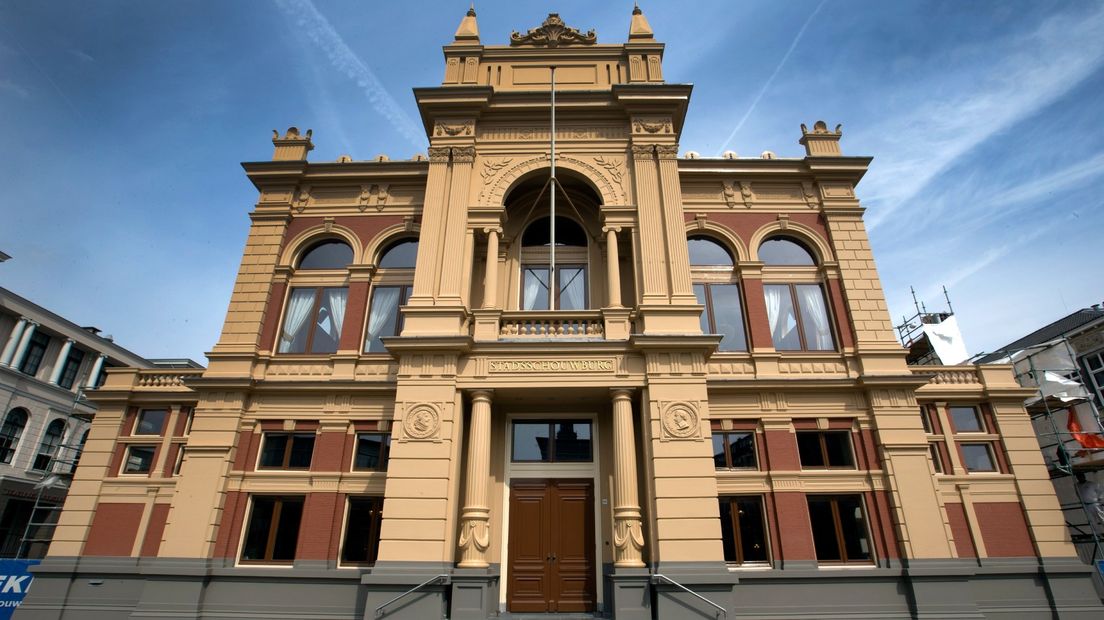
<point>680,421</point>
<point>421,421</point>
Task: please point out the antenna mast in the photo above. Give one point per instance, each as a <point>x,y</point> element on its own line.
<point>553,286</point>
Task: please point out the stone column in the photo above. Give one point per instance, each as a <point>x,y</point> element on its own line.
<point>24,342</point>
<point>91,382</point>
<point>59,365</point>
<point>13,341</point>
<point>613,268</point>
<point>475,529</point>
<point>628,537</point>
<point>490,283</point>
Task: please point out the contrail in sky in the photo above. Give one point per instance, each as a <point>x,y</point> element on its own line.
<point>318,29</point>
<point>770,80</point>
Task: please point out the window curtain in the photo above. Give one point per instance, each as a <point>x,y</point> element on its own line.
<point>818,335</point>
<point>337,298</point>
<point>773,296</point>
<point>295,317</point>
<point>385,301</point>
<point>534,280</point>
<point>573,289</point>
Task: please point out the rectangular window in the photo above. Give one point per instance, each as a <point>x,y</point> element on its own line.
<point>571,290</point>
<point>839,528</point>
<point>825,449</point>
<point>273,529</point>
<point>150,421</point>
<point>743,530</point>
<point>32,358</point>
<point>362,530</point>
<point>734,450</point>
<point>966,420</point>
<point>384,318</point>
<point>372,450</point>
<point>937,461</point>
<point>798,317</point>
<point>69,370</point>
<point>139,459</point>
<point>287,451</point>
<point>723,314</point>
<point>313,320</point>
<point>550,442</point>
<point>179,461</point>
<point>978,457</point>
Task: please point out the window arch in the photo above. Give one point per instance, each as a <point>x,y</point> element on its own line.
<point>47,450</point>
<point>392,286</point>
<point>10,432</point>
<point>327,254</point>
<point>797,309</point>
<point>567,289</point>
<point>718,291</point>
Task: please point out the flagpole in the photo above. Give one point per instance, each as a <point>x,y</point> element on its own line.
<point>553,286</point>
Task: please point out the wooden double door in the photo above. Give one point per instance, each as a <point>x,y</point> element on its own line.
<point>551,546</point>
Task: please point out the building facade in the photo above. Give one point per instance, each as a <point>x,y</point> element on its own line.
<point>47,364</point>
<point>433,398</point>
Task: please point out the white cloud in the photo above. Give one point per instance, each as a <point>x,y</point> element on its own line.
<point>319,30</point>
<point>16,89</point>
<point>1026,73</point>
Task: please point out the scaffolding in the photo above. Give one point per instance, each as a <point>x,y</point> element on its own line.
<point>919,334</point>
<point>39,531</point>
<point>1066,419</point>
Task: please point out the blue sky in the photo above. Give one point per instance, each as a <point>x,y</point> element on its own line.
<point>124,205</point>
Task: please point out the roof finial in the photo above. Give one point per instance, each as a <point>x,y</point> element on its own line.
<point>468,32</point>
<point>640,29</point>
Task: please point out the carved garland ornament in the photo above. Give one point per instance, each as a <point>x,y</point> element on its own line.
<point>453,129</point>
<point>628,532</point>
<point>553,33</point>
<point>680,420</point>
<point>494,186</point>
<point>421,421</point>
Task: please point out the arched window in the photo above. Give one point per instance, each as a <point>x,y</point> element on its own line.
<point>797,310</point>
<point>568,286</point>
<point>10,433</point>
<point>785,251</point>
<point>715,286</point>
<point>391,289</point>
<point>328,254</point>
<point>314,315</point>
<point>47,450</point>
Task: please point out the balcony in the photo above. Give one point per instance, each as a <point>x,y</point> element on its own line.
<point>562,325</point>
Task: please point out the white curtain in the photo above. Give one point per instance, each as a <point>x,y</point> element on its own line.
<point>573,289</point>
<point>298,307</point>
<point>812,307</point>
<point>533,284</point>
<point>337,298</point>
<point>773,297</point>
<point>385,300</point>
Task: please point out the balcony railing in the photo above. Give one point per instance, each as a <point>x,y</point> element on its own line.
<point>573,325</point>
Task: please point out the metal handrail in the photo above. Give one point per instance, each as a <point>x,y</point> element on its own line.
<point>379,610</point>
<point>690,592</point>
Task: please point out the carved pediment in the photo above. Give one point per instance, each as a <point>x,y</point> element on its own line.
<point>553,33</point>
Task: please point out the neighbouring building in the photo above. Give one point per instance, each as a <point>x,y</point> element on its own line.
<point>431,397</point>
<point>47,364</point>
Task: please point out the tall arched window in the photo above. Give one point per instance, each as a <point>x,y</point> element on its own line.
<point>715,286</point>
<point>314,315</point>
<point>567,288</point>
<point>797,310</point>
<point>392,284</point>
<point>47,450</point>
<point>10,433</point>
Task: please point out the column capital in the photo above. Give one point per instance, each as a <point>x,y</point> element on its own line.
<point>492,229</point>
<point>482,395</point>
<point>611,229</point>
<point>618,394</point>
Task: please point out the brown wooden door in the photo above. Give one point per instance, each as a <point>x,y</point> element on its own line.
<point>551,553</point>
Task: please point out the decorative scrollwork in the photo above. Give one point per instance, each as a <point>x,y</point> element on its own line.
<point>553,33</point>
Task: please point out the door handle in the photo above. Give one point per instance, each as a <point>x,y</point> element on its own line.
<point>553,557</point>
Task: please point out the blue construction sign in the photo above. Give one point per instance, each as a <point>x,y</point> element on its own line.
<point>15,582</point>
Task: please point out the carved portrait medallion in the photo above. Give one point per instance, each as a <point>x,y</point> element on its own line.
<point>680,420</point>
<point>421,421</point>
